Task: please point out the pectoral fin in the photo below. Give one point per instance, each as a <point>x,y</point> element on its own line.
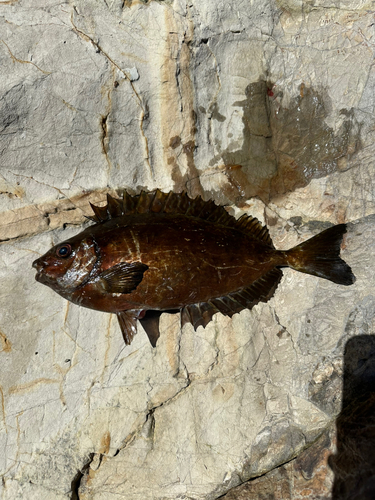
<point>123,277</point>
<point>128,324</point>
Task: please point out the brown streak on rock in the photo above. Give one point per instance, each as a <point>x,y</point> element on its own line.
<point>15,59</point>
<point>103,126</point>
<point>104,140</point>
<point>23,388</point>
<point>108,340</point>
<point>177,109</point>
<point>3,407</point>
<point>105,443</point>
<point>66,312</point>
<point>31,220</point>
<point>5,344</point>
<point>62,372</point>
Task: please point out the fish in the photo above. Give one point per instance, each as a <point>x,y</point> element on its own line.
<point>158,252</point>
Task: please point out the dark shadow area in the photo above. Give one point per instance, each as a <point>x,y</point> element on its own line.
<point>354,462</point>
<point>75,484</point>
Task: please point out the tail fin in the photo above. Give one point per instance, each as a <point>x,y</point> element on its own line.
<point>320,256</point>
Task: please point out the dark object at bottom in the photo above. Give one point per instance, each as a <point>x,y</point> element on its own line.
<point>354,462</point>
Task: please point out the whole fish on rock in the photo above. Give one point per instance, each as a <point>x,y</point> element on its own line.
<point>157,252</point>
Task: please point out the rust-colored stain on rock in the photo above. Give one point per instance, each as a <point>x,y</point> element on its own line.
<point>105,443</point>
<point>6,346</point>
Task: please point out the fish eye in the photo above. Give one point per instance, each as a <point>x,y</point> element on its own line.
<point>64,250</point>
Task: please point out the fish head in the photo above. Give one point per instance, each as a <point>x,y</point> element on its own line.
<point>68,265</point>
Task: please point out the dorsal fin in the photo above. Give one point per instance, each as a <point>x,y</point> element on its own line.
<point>179,203</point>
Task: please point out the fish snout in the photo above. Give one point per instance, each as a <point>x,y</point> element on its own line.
<point>41,267</point>
<point>37,264</point>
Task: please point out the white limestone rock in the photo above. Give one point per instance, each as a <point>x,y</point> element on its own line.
<point>268,108</point>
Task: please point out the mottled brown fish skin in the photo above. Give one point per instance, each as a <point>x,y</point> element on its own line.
<point>188,261</point>
<point>163,251</point>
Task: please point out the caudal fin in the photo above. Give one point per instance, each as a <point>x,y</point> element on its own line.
<point>320,256</point>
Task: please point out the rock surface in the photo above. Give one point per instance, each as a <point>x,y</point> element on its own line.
<point>307,476</point>
<point>267,108</point>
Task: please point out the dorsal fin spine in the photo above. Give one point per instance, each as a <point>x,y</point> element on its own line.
<point>154,199</point>
<point>128,203</point>
<point>98,211</point>
<point>114,206</point>
<point>143,203</point>
<point>166,200</point>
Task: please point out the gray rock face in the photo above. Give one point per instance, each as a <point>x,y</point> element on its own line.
<point>266,107</point>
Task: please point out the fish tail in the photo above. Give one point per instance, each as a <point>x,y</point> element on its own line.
<point>320,256</point>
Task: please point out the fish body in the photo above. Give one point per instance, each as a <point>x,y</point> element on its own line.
<point>187,261</point>
<point>158,252</point>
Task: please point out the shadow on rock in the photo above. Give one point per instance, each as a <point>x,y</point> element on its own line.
<point>354,462</point>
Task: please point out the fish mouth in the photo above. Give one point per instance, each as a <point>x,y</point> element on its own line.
<point>43,278</point>
<point>39,265</point>
<point>38,276</point>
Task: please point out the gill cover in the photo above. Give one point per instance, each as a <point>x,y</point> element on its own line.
<point>83,262</point>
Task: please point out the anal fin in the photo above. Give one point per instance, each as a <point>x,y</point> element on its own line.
<point>149,320</point>
<point>150,323</point>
